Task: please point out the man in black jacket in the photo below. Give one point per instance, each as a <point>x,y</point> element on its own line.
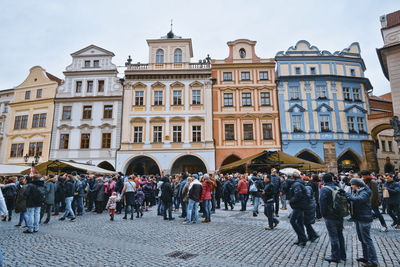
<point>276,182</point>
<point>298,202</point>
<point>268,197</point>
<point>166,197</point>
<point>69,191</point>
<point>35,195</point>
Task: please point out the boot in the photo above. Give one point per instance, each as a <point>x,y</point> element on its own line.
<point>46,221</point>
<point>124,217</point>
<point>112,217</point>
<point>131,216</point>
<point>9,218</point>
<point>4,219</point>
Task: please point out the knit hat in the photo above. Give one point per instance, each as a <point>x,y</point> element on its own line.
<point>114,193</point>
<point>327,178</point>
<point>357,181</point>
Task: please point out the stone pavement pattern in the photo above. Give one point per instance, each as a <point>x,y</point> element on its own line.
<point>233,238</point>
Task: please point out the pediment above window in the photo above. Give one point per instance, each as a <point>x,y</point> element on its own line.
<point>323,108</point>
<point>296,108</point>
<point>355,109</point>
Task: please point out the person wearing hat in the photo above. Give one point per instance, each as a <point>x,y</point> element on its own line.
<point>362,215</point>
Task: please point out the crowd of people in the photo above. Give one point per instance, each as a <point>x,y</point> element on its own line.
<point>312,197</point>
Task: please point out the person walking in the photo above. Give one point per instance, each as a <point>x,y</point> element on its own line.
<point>309,213</point>
<point>129,192</point>
<point>362,216</point>
<point>206,197</point>
<point>268,198</point>
<point>35,195</point>
<point>20,206</point>
<point>167,194</point>
<point>242,188</point>
<point>334,223</point>
<point>298,203</point>
<point>50,186</point>
<point>276,182</point>
<point>69,197</point>
<point>255,189</point>
<point>393,188</point>
<point>282,191</point>
<point>112,205</point>
<point>10,194</point>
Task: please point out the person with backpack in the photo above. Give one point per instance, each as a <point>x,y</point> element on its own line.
<point>276,182</point>
<point>298,202</point>
<point>362,216</point>
<point>69,197</point>
<point>50,195</point>
<point>35,195</point>
<point>309,212</point>
<point>333,218</point>
<point>268,198</point>
<point>255,189</point>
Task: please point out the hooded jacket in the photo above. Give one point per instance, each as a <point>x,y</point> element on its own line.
<point>207,190</point>
<point>361,210</point>
<point>298,195</point>
<point>50,191</point>
<point>32,198</point>
<point>195,190</point>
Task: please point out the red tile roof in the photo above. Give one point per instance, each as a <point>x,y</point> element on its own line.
<point>387,96</point>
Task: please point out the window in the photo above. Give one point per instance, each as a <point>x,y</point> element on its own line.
<point>5,108</point>
<point>263,75</point>
<point>296,123</point>
<point>96,63</point>
<point>320,91</point>
<point>356,94</point>
<point>353,72</point>
<point>35,149</point>
<point>227,76</point>
<point>85,140</point>
<point>245,76</point>
<point>313,71</point>
<point>196,97</point>
<point>39,93</point>
<point>390,146</point>
<point>228,100</point>
<point>100,86</point>
<point>138,134</point>
<point>248,131</point>
<point>139,98</point>
<point>160,56</point>
<point>108,110</point>
<point>346,93</point>
<point>42,121</point>
<point>27,94</point>
<point>294,93</point>
<point>78,86</point>
<point>178,56</point>
<point>383,145</point>
<point>360,124</point>
<point>106,140</point>
<point>17,151</point>
<point>157,134</point>
<point>297,70</point>
<point>350,124</point>
<point>35,121</point>
<point>64,141</point>
<point>66,114</point>
<point>196,133</point>
<point>177,97</point>
<point>87,112</point>
<point>246,99</point>
<point>324,123</point>
<point>89,88</point>
<point>21,122</point>
<point>158,98</point>
<point>87,63</point>
<point>267,131</point>
<point>265,99</point>
<point>229,132</point>
<point>176,133</point>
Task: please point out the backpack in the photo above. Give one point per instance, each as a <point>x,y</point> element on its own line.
<point>39,194</point>
<point>10,192</point>
<point>253,187</point>
<point>340,205</point>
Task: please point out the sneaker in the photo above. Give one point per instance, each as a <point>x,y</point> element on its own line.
<point>268,228</point>
<point>276,223</point>
<point>314,238</point>
<point>186,223</point>
<point>27,232</point>
<point>384,229</point>
<point>254,214</point>
<point>73,219</point>
<point>17,225</point>
<point>62,219</point>
<point>397,227</point>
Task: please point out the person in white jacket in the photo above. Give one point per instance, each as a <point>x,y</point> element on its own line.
<point>3,214</point>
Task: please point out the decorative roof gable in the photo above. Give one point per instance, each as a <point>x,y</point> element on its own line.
<point>323,108</point>
<point>296,108</point>
<point>92,50</point>
<point>355,109</point>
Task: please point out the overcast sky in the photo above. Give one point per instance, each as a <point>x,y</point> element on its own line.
<point>46,32</point>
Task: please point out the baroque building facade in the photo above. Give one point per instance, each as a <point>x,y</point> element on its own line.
<point>31,118</point>
<point>245,104</point>
<point>87,121</point>
<point>323,101</point>
<point>167,113</point>
<point>6,96</point>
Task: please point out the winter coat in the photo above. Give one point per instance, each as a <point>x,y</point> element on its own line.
<point>119,185</point>
<point>227,190</point>
<point>20,205</point>
<point>69,188</point>
<point>139,197</point>
<point>166,191</point>
<point>100,194</point>
<point>112,203</point>
<point>82,184</point>
<point>50,191</point>
<point>176,189</point>
<point>394,192</point>
<point>315,188</point>
<point>218,190</point>
<point>276,182</point>
<point>373,186</point>
<point>207,190</point>
<point>147,189</point>
<point>309,210</point>
<point>269,192</point>
<point>243,187</point>
<point>298,195</point>
<point>361,204</point>
<point>30,195</point>
<point>59,193</point>
<point>195,190</point>
<point>326,202</point>
<point>185,192</point>
<point>10,192</point>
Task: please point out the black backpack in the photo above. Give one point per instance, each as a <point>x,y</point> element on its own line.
<point>10,192</point>
<point>39,194</point>
<point>340,205</point>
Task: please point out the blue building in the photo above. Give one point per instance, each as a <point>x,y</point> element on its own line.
<point>323,102</point>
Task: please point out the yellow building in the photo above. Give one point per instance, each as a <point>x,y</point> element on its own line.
<point>31,118</point>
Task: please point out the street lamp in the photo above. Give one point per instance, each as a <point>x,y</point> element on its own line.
<point>35,160</point>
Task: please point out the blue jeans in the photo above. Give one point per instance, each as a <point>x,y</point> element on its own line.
<point>364,235</point>
<point>192,206</point>
<point>23,216</point>
<point>335,232</point>
<point>269,212</point>
<point>176,202</point>
<point>232,198</point>
<point>256,203</point>
<point>33,218</point>
<point>207,209</point>
<point>283,201</point>
<point>160,208</point>
<point>243,201</point>
<point>68,207</point>
<point>79,204</point>
<point>297,222</point>
<point>379,215</point>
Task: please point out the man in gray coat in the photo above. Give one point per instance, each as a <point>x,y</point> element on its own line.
<point>50,185</point>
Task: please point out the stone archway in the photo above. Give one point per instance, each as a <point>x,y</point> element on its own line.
<point>188,163</point>
<point>230,159</point>
<point>349,161</point>
<point>142,165</point>
<point>310,156</point>
<point>106,165</point>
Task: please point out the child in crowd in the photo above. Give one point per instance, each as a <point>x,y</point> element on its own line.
<point>112,205</point>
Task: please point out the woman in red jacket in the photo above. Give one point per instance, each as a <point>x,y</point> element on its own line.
<point>243,190</point>
<point>206,198</point>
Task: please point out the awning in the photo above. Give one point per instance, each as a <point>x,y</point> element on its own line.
<point>11,169</point>
<point>278,159</point>
<point>54,166</point>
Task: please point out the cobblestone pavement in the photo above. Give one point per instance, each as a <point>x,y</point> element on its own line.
<point>233,238</point>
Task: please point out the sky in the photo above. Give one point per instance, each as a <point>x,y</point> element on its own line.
<point>46,32</point>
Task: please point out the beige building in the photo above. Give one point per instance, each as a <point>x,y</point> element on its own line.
<point>31,117</point>
<point>6,97</point>
<point>167,111</point>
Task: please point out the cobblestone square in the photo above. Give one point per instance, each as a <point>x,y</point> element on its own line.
<point>233,238</point>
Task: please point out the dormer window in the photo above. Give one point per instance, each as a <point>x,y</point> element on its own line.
<point>242,53</point>
<point>87,63</point>
<point>353,72</point>
<point>160,56</point>
<point>313,71</point>
<point>96,63</point>
<point>178,55</point>
<point>297,70</point>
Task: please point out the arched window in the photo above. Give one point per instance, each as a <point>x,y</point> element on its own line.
<point>178,56</point>
<point>160,56</point>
